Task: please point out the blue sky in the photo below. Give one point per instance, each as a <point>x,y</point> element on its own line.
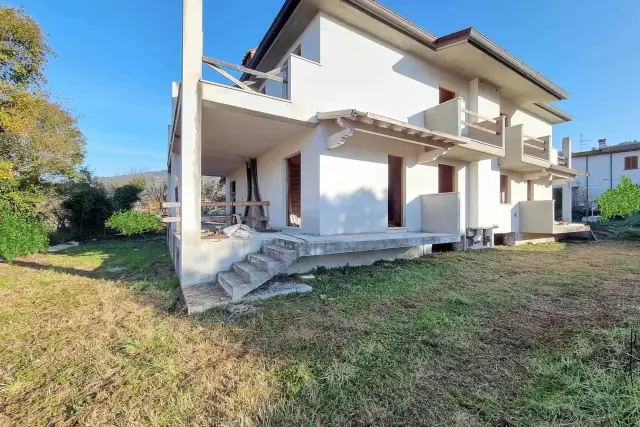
<point>116,60</point>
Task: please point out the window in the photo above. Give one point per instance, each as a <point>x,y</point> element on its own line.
<point>529,190</point>
<point>504,189</point>
<point>630,162</point>
<point>446,95</point>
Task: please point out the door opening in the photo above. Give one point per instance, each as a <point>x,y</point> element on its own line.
<point>294,191</point>
<point>446,179</point>
<point>445,95</point>
<point>395,192</point>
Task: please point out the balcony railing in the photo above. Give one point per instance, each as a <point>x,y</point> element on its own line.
<point>451,117</point>
<point>525,152</point>
<point>255,79</point>
<point>538,216</point>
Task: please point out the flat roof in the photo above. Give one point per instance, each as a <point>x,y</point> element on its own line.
<point>633,146</point>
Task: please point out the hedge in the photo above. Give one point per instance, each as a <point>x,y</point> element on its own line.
<point>20,236</point>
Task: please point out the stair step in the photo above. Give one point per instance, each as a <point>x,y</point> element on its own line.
<point>281,254</point>
<point>287,244</point>
<point>250,273</point>
<point>266,263</point>
<point>234,285</point>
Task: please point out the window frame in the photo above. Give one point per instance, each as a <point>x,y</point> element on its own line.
<point>630,163</point>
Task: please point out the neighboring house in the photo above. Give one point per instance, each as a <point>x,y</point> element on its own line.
<point>605,166</point>
<point>368,137</point>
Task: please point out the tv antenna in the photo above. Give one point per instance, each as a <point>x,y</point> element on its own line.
<point>583,141</point>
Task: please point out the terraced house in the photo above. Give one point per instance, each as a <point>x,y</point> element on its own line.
<point>353,135</point>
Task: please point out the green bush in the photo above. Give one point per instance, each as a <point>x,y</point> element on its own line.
<point>622,201</point>
<point>125,196</point>
<point>134,222</point>
<point>21,236</point>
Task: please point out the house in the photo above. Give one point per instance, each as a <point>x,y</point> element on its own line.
<point>605,166</point>
<point>358,136</point>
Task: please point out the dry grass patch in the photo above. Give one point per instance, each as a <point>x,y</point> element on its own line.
<point>477,338</point>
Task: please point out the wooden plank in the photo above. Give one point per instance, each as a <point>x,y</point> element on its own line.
<point>473,125</point>
<point>537,147</point>
<point>530,138</point>
<point>171,219</point>
<point>170,204</point>
<point>230,204</point>
<point>216,62</point>
<point>473,113</point>
<point>233,79</point>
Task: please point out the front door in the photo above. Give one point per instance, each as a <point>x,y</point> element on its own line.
<point>395,191</point>
<point>294,191</point>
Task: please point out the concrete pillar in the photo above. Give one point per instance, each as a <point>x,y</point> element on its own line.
<point>567,202</point>
<point>484,192</point>
<point>190,156</point>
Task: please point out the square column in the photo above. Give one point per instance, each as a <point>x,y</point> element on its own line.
<point>567,202</point>
<point>484,193</point>
<point>190,156</point>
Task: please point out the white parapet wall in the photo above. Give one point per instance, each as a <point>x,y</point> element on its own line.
<point>441,213</point>
<point>536,216</point>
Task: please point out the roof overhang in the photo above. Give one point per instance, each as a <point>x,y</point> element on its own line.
<point>468,53</point>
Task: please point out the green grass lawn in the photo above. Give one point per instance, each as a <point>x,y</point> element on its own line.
<point>533,335</point>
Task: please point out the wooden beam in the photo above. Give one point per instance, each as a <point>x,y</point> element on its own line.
<point>171,219</point>
<point>230,77</point>
<point>537,147</point>
<point>473,113</point>
<point>219,63</point>
<point>530,138</point>
<point>229,204</point>
<point>170,204</point>
<point>473,125</point>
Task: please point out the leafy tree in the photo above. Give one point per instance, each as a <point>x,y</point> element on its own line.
<point>621,201</point>
<point>125,196</point>
<point>39,138</point>
<point>23,48</point>
<point>87,205</point>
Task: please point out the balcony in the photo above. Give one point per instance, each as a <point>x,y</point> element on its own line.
<point>537,217</point>
<point>485,136</point>
<point>525,153</point>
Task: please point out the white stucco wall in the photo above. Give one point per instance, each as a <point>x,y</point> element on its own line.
<point>345,189</point>
<point>605,171</point>
<point>533,125</point>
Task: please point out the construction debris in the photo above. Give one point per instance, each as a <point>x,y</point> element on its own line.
<point>239,231</point>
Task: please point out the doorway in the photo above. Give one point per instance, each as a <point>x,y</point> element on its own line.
<point>394,199</point>
<point>294,191</point>
<point>446,179</point>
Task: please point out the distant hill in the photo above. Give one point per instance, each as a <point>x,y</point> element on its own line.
<point>150,177</point>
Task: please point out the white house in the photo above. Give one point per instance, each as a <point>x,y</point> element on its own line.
<point>605,166</point>
<point>359,136</point>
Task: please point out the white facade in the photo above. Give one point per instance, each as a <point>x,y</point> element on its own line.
<point>345,190</point>
<point>348,92</point>
<point>605,170</point>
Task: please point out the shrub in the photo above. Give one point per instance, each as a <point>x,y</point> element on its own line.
<point>133,222</point>
<point>622,201</point>
<point>21,235</point>
<point>126,195</point>
<point>86,208</point>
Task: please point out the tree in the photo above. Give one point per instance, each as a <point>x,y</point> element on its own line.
<point>40,142</point>
<point>621,201</point>
<point>125,196</point>
<point>23,48</point>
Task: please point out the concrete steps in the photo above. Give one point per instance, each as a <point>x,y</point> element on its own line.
<point>245,276</point>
